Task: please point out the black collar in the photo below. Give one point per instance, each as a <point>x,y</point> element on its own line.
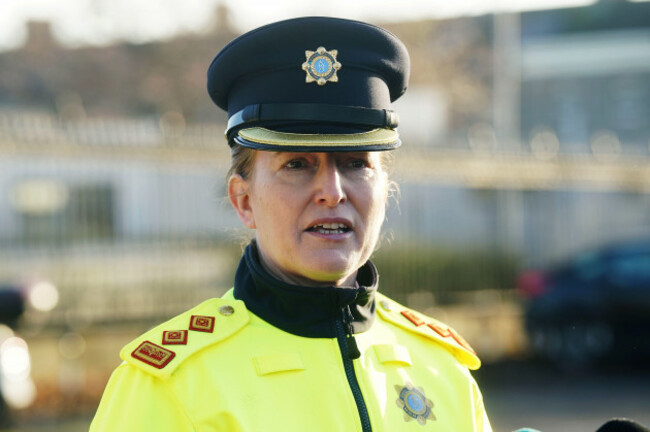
<point>304,311</point>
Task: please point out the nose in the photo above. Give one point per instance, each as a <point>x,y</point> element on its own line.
<point>329,186</point>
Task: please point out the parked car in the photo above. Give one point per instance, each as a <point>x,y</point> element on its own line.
<point>593,307</point>
<point>12,304</point>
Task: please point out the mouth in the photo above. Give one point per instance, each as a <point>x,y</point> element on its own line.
<point>329,228</point>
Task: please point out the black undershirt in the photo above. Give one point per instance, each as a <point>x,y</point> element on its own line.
<point>304,311</point>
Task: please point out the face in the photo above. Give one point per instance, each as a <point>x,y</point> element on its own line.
<point>317,216</point>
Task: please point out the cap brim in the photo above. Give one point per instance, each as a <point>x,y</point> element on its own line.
<point>266,139</point>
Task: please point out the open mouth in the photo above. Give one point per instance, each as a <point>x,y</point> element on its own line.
<point>329,228</point>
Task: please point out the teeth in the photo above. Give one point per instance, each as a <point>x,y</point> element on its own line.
<point>330,228</point>
<point>329,231</point>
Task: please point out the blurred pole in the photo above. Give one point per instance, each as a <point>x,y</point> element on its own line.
<point>506,84</point>
<point>506,115</point>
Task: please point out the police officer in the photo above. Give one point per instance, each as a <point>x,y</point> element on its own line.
<point>304,341</point>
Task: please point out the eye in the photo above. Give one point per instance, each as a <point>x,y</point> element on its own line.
<point>356,160</point>
<point>358,163</point>
<point>295,164</point>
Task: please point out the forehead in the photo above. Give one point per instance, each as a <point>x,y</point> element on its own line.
<point>283,155</point>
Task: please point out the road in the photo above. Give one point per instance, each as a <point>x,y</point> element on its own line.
<point>526,394</point>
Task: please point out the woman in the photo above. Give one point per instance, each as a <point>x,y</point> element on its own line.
<point>303,342</point>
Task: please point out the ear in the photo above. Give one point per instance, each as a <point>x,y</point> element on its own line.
<point>239,195</point>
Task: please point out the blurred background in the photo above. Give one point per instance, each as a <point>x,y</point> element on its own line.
<point>523,217</point>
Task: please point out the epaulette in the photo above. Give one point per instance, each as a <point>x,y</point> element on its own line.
<point>163,349</point>
<point>416,322</point>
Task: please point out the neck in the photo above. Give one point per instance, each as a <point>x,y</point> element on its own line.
<point>296,279</point>
<point>302,311</point>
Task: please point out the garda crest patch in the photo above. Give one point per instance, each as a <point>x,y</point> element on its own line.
<point>321,66</point>
<point>153,355</point>
<point>414,403</point>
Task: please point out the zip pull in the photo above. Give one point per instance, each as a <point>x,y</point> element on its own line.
<point>353,349</point>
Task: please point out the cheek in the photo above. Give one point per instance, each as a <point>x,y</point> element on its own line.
<point>272,211</point>
<point>263,210</point>
<point>376,205</point>
<point>380,191</point>
<point>378,214</point>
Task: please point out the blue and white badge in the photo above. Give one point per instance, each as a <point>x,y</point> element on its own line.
<point>414,404</point>
<point>321,66</point>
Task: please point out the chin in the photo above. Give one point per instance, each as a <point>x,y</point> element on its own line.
<point>323,279</point>
<point>329,271</point>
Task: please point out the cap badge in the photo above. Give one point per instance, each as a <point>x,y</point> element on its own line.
<point>321,66</point>
<point>414,404</point>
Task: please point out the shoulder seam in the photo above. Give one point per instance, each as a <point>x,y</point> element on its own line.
<point>172,393</point>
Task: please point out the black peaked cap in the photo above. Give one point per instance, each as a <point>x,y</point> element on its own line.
<point>261,80</point>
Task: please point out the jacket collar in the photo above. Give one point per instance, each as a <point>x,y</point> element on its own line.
<point>304,311</point>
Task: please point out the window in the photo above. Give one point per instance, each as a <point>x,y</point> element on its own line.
<point>53,212</point>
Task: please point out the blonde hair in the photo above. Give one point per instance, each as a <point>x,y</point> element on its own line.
<point>241,161</point>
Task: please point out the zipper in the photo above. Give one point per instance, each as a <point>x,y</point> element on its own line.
<point>350,352</point>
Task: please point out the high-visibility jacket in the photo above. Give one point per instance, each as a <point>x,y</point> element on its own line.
<point>246,375</point>
<point>219,367</point>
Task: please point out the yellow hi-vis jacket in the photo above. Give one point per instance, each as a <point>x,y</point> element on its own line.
<point>220,368</point>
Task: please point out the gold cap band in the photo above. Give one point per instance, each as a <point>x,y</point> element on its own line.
<point>265,139</point>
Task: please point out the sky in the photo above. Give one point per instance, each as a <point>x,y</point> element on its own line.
<point>99,22</point>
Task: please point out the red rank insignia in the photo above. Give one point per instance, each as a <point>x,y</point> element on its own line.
<point>442,330</point>
<point>458,338</point>
<point>175,337</point>
<point>446,332</point>
<point>417,321</point>
<point>153,355</point>
<point>202,323</point>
